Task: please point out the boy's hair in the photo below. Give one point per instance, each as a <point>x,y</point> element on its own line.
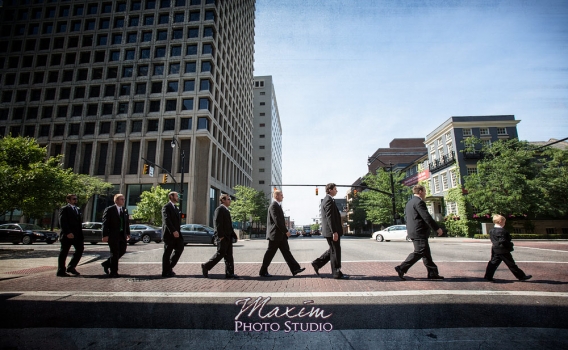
<point>498,218</point>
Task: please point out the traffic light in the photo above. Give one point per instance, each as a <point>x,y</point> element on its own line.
<point>145,170</point>
<point>316,191</point>
<point>183,215</point>
<point>165,178</point>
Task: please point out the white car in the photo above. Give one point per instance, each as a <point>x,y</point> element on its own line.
<point>391,233</point>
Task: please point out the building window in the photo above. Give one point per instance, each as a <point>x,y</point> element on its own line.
<point>174,68</point>
<point>187,104</point>
<point>453,178</point>
<point>262,136</point>
<point>193,33</point>
<point>144,53</point>
<point>203,103</point>
<point>169,124</point>
<point>190,67</point>
<point>501,131</point>
<point>138,107</point>
<point>107,108</point>
<point>262,125</point>
<point>172,86</point>
<point>152,125</point>
<point>451,208</point>
<point>471,170</point>
<point>160,52</point>
<point>259,83</point>
<point>136,126</point>
<point>191,50</point>
<point>186,124</point>
<point>123,108</point>
<point>189,85</point>
<point>171,105</point>
<point>120,127</point>
<point>436,181</point>
<point>444,177</point>
<point>89,129</point>
<point>261,147</point>
<point>158,69</point>
<point>484,131</point>
<point>155,106</point>
<point>486,143</point>
<point>261,182</point>
<point>156,87</point>
<point>124,89</point>
<point>466,132</point>
<point>261,170</point>
<point>203,123</point>
<point>140,88</point>
<point>261,159</point>
<point>104,128</point>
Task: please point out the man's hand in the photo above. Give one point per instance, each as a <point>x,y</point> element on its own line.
<point>128,238</point>
<point>440,232</point>
<point>288,234</point>
<point>105,239</point>
<point>70,236</point>
<point>335,236</point>
<point>176,234</point>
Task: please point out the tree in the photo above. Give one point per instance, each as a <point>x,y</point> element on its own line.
<point>357,214</point>
<point>553,181</point>
<point>249,205</point>
<point>150,206</point>
<point>36,184</point>
<point>378,206</point>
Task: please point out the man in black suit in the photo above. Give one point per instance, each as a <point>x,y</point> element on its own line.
<point>171,232</point>
<point>116,231</point>
<point>332,230</point>
<point>224,234</point>
<point>277,237</point>
<point>418,224</point>
<point>71,234</point>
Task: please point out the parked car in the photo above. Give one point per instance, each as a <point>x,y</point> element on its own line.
<point>26,233</point>
<point>93,233</point>
<point>316,233</point>
<point>194,233</point>
<point>391,233</point>
<point>148,233</point>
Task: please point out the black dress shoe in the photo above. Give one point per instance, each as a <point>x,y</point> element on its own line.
<point>105,268</point>
<point>204,271</point>
<point>400,273</point>
<point>527,277</point>
<point>231,275</point>
<point>113,275</point>
<point>489,279</point>
<point>62,274</point>
<point>341,277</point>
<point>316,268</point>
<point>300,270</point>
<point>169,274</point>
<point>266,274</point>
<point>72,271</point>
<point>436,277</point>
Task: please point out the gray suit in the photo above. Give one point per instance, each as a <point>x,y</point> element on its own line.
<point>330,223</point>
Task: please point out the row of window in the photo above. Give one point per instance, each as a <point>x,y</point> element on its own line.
<point>484,132</point>
<point>104,127</point>
<point>93,8</point>
<point>110,90</point>
<point>445,181</point>
<point>157,69</point>
<point>93,109</point>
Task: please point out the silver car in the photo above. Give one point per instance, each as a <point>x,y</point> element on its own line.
<point>194,233</point>
<point>148,233</point>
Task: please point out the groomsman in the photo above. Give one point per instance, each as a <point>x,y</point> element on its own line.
<point>71,234</point>
<point>173,240</point>
<point>116,231</point>
<point>277,236</point>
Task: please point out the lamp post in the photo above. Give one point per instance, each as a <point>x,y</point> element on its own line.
<point>182,154</point>
<point>370,161</point>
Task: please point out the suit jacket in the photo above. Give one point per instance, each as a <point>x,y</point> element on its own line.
<point>223,223</point>
<point>70,222</point>
<point>418,219</point>
<point>330,218</point>
<point>275,223</point>
<point>171,221</point>
<point>501,240</point>
<point>111,223</point>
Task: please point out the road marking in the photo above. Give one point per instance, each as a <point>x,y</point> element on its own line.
<point>205,295</point>
<point>350,261</point>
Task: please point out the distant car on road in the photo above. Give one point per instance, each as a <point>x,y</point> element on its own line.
<point>26,233</point>
<point>391,233</point>
<point>148,233</point>
<point>194,233</point>
<point>93,233</point>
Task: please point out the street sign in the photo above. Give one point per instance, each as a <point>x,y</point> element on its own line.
<point>151,172</point>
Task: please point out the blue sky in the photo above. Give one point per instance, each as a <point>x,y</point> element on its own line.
<point>350,76</point>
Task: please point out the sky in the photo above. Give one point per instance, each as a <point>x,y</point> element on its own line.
<point>350,76</point>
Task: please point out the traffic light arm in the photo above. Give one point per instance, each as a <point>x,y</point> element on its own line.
<point>157,166</point>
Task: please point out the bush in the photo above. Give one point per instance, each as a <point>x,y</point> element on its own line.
<point>527,236</point>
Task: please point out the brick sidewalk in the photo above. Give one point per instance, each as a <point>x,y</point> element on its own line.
<point>365,276</point>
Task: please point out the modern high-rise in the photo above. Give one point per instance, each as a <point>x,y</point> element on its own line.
<point>110,83</point>
<point>267,140</point>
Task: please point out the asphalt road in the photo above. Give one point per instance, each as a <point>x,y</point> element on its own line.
<point>372,310</point>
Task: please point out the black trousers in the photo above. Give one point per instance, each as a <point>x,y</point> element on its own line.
<point>66,243</point>
<point>495,261</point>
<point>117,249</point>
<point>224,251</point>
<point>421,251</point>
<point>333,255</point>
<point>170,260</point>
<point>284,247</point>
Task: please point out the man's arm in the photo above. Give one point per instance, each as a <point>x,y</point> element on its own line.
<point>425,215</point>
<point>106,228</point>
<point>278,218</point>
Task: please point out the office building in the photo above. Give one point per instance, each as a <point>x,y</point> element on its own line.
<point>110,83</point>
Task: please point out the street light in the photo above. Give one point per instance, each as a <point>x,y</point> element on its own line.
<point>370,161</point>
<point>182,154</point>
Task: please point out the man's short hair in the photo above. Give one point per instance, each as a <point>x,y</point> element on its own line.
<point>118,195</point>
<point>223,196</point>
<point>330,186</point>
<point>275,193</point>
<point>170,195</point>
<point>417,188</point>
<point>70,195</point>
<point>497,218</point>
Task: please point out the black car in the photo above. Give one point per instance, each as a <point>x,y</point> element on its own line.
<point>148,233</point>
<point>26,233</point>
<point>93,233</point>
<point>194,233</point>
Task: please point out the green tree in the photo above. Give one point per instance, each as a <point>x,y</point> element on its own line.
<point>507,180</point>
<point>150,206</point>
<point>36,184</point>
<point>250,205</point>
<point>357,214</point>
<point>553,181</point>
<point>378,206</point>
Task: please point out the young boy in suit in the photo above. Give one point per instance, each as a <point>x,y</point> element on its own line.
<point>501,251</point>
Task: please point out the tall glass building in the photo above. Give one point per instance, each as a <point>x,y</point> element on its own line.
<point>114,84</point>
